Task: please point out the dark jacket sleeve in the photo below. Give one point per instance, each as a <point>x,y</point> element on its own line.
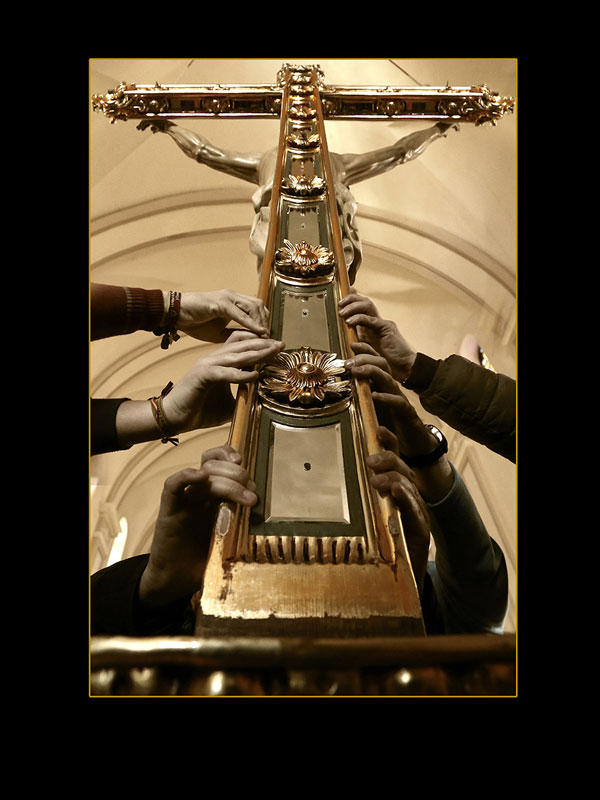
<point>103,432</point>
<point>115,609</point>
<point>466,590</point>
<point>475,401</point>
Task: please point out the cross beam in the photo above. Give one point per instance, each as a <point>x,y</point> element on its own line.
<point>452,104</point>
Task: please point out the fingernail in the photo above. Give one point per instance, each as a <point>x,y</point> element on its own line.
<point>349,363</point>
<point>223,520</point>
<point>250,496</point>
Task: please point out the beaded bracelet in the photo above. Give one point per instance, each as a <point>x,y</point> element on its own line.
<point>159,415</point>
<point>168,330</point>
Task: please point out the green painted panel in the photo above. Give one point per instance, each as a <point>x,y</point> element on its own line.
<point>299,457</point>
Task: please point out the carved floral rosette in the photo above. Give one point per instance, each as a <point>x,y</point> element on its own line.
<point>303,260</point>
<point>305,377</point>
<point>302,140</point>
<point>303,186</point>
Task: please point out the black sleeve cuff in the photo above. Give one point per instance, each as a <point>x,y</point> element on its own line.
<point>103,431</point>
<point>422,373</point>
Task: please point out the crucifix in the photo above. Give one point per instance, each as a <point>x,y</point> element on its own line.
<point>322,553</point>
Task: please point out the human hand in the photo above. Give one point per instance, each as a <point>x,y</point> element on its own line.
<point>383,335</point>
<point>156,125</point>
<point>444,126</point>
<point>182,533</point>
<point>204,315</point>
<point>203,397</point>
<point>391,404</point>
<point>391,476</point>
<point>412,437</point>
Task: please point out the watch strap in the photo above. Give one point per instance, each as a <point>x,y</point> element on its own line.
<point>428,458</point>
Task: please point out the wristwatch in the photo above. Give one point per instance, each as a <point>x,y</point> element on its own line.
<point>429,458</point>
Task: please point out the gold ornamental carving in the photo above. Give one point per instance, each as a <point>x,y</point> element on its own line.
<point>391,107</point>
<point>216,105</point>
<point>302,89</point>
<point>463,104</point>
<point>302,140</point>
<point>303,186</point>
<point>120,104</point>
<point>303,260</point>
<point>300,73</point>
<point>302,112</point>
<point>484,106</point>
<point>310,550</point>
<point>307,377</point>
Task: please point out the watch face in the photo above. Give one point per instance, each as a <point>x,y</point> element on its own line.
<point>437,433</point>
<point>426,459</point>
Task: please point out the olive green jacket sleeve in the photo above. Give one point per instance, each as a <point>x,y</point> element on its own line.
<point>475,401</point>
